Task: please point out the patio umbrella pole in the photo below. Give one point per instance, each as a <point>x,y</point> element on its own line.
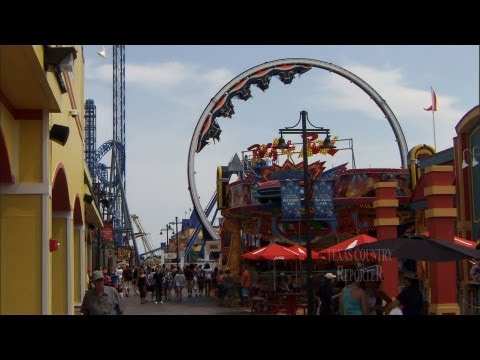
<point>274,282</point>
<point>296,272</point>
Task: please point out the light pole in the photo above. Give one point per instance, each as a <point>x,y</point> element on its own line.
<point>176,240</point>
<point>167,228</point>
<point>306,185</point>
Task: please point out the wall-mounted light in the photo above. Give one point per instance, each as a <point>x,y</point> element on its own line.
<point>61,59</point>
<point>473,161</point>
<point>74,113</point>
<point>59,134</point>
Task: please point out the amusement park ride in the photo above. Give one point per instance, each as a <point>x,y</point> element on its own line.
<point>109,180</point>
<point>280,200</point>
<point>150,252</point>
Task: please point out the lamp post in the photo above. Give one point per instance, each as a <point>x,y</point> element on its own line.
<point>306,185</point>
<point>167,228</point>
<point>176,240</point>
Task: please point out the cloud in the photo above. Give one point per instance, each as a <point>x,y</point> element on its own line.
<point>164,76</point>
<point>406,102</point>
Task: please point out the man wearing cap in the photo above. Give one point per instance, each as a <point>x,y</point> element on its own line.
<point>101,300</point>
<point>325,293</point>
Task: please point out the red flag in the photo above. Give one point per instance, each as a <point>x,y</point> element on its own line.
<point>432,107</point>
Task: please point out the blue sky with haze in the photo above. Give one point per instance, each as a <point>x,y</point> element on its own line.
<point>168,87</point>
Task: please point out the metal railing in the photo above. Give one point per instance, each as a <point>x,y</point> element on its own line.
<point>469,299</point>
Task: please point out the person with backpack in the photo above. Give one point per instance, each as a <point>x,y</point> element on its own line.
<point>179,282</point>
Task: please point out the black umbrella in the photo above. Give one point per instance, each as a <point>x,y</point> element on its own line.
<point>419,247</point>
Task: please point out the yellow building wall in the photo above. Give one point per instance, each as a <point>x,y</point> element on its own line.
<point>76,266</point>
<point>59,267</point>
<point>30,151</point>
<point>24,145</point>
<point>10,133</point>
<point>72,154</point>
<point>20,261</point>
<point>40,52</point>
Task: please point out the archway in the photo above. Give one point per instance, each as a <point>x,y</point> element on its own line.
<point>78,250</point>
<point>260,75</point>
<point>61,226</point>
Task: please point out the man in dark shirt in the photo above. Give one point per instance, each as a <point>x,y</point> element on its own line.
<point>325,293</point>
<point>410,298</point>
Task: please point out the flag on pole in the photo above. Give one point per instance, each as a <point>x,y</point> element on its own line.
<point>432,107</point>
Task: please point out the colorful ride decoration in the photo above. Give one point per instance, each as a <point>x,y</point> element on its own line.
<point>341,201</point>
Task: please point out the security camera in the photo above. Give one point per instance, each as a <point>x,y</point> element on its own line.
<point>74,112</point>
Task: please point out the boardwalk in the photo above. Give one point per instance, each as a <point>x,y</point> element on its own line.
<point>193,306</point>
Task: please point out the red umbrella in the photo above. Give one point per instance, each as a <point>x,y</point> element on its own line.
<point>272,252</point>
<point>303,252</point>
<point>337,250</point>
<point>459,241</point>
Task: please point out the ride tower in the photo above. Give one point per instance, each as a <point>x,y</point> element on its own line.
<point>112,189</point>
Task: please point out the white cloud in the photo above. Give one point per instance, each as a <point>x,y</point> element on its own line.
<point>164,76</point>
<point>406,102</point>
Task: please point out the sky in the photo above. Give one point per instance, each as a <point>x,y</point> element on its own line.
<point>168,87</point>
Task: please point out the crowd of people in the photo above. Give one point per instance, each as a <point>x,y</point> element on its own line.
<point>365,297</point>
<point>155,283</point>
<point>334,296</point>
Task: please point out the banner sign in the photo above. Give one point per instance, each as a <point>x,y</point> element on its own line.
<point>292,193</point>
<point>361,183</point>
<point>213,246</point>
<point>107,231</point>
<point>323,199</point>
<point>239,195</point>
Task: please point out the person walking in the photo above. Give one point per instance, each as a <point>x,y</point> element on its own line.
<point>158,285</point>
<point>142,285</point>
<point>127,280</point>
<point>179,282</point>
<point>101,300</point>
<point>245,285</point>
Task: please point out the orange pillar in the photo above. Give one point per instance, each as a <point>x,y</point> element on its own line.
<point>386,222</point>
<point>235,249</point>
<point>440,215</point>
